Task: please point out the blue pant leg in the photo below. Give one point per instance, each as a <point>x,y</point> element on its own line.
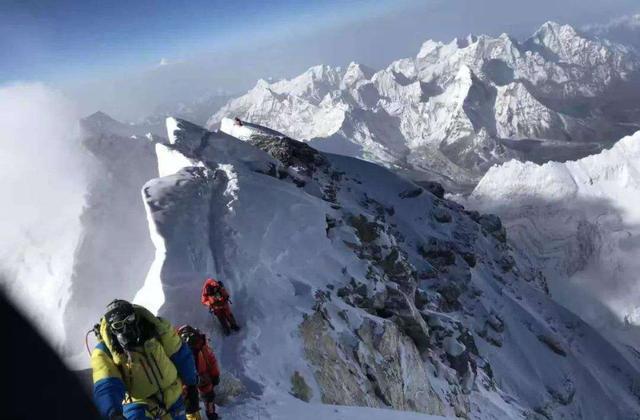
<point>135,411</point>
<point>178,411</point>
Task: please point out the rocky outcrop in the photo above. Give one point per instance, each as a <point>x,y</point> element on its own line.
<point>351,374</point>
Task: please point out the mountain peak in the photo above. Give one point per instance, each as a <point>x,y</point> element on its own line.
<point>355,73</point>
<point>100,118</point>
<point>428,47</point>
<point>465,74</point>
<point>262,84</point>
<point>99,115</point>
<point>100,122</point>
<point>552,32</point>
<point>321,72</point>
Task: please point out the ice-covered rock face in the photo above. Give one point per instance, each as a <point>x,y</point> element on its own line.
<point>456,109</point>
<point>354,286</point>
<point>579,222</point>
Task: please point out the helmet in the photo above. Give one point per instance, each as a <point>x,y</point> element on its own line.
<point>118,311</point>
<point>123,323</point>
<point>213,288</point>
<point>189,335</point>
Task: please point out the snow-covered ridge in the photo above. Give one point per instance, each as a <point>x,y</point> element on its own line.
<point>580,222</point>
<point>455,109</point>
<point>378,292</point>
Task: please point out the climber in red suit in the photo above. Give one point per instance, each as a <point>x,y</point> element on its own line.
<point>216,297</point>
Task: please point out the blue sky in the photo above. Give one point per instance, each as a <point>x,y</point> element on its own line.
<point>105,54</point>
<point>53,40</point>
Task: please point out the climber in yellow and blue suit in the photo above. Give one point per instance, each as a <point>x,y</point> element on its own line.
<point>139,366</point>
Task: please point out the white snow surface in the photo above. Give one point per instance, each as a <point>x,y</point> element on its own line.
<point>456,108</point>
<point>279,407</point>
<point>285,239</point>
<point>579,221</point>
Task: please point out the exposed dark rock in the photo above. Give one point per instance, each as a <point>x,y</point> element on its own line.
<point>299,387</point>
<point>434,188</point>
<point>367,231</point>
<point>564,394</point>
<point>450,292</point>
<point>441,215</point>
<point>496,323</point>
<point>411,193</point>
<point>459,362</point>
<point>490,336</point>
<point>506,263</point>
<point>474,215</point>
<point>469,258</point>
<point>350,373</point>
<point>421,298</point>
<point>331,223</point>
<point>290,152</point>
<point>493,225</point>
<point>407,317</point>
<point>355,294</point>
<point>397,269</point>
<point>439,253</point>
<point>553,344</point>
<point>466,338</point>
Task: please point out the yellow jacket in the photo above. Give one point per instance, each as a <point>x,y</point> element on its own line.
<point>150,374</point>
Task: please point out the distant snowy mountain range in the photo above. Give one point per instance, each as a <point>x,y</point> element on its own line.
<point>455,109</point>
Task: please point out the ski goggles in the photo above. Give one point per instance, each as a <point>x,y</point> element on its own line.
<point>121,323</point>
<point>188,337</point>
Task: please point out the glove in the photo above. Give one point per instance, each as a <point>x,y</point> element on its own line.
<point>194,416</point>
<point>192,402</point>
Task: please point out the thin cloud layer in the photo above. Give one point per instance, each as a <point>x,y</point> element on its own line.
<point>42,190</point>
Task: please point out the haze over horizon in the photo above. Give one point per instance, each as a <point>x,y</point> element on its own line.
<point>128,59</point>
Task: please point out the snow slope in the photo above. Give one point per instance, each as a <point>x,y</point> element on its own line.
<point>455,109</point>
<point>580,222</point>
<point>357,287</point>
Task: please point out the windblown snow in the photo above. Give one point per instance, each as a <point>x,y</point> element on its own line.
<point>357,287</point>
<point>42,188</point>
